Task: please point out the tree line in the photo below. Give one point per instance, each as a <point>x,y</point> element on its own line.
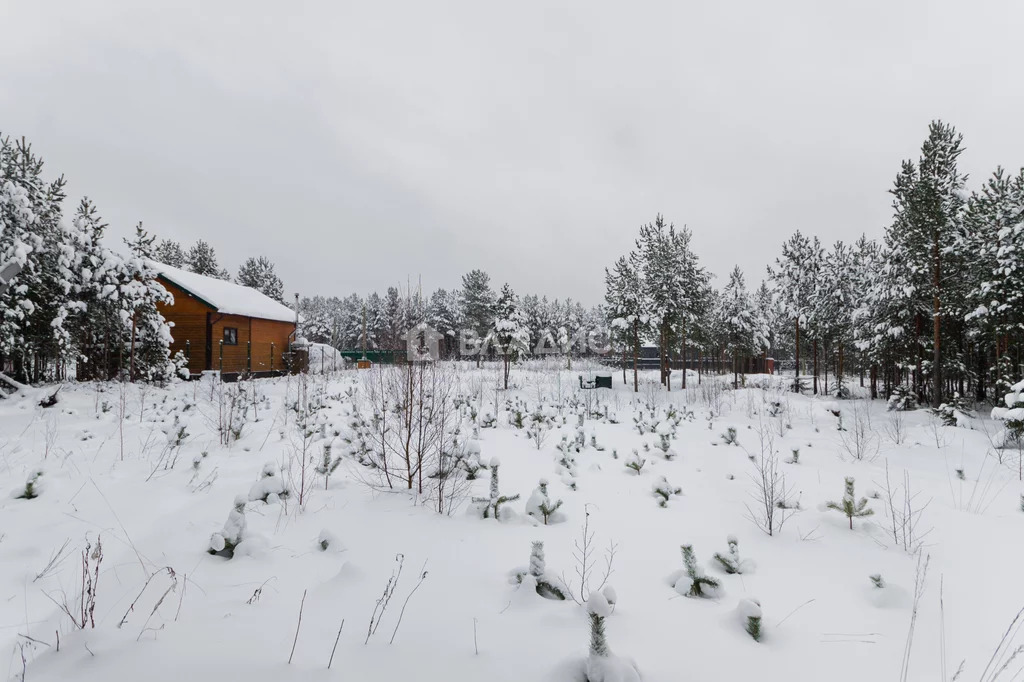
<point>933,311</point>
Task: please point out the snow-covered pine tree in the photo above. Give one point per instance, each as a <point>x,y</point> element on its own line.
<point>850,506</point>
<point>744,334</point>
<point>202,260</point>
<point>35,306</point>
<point>541,507</point>
<point>627,309</point>
<point>477,303</point>
<point>259,274</point>
<point>511,331</point>
<point>795,277</point>
<point>692,581</point>
<point>170,252</point>
<point>149,340</point>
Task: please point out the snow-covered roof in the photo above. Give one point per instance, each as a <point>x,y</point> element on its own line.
<point>227,297</point>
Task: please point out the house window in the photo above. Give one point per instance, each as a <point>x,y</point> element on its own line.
<point>230,336</point>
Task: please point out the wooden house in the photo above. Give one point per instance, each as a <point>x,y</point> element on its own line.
<point>220,325</point>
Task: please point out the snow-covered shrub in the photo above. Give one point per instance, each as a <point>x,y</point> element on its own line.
<point>270,488</point>
<point>902,399</point>
<point>795,459</point>
<point>731,563</point>
<point>635,463</point>
<point>325,540</point>
<point>594,444</point>
<point>540,506</point>
<point>663,490</point>
<point>32,487</point>
<point>490,507</point>
<point>1012,417</point>
<point>729,437</point>
<point>749,612</point>
<point>954,411</point>
<point>692,581</point>
<point>850,506</point>
<point>877,580</point>
<point>224,543</point>
<point>488,420</point>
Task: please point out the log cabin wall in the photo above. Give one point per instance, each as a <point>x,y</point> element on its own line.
<point>188,314</point>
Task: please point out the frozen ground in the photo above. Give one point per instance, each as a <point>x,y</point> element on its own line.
<point>115,478</point>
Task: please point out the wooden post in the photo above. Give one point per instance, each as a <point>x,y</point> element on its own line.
<point>271,356</point>
<point>248,356</point>
<point>221,347</point>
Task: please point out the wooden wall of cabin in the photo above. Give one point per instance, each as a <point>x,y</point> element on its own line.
<point>269,339</point>
<point>189,331</point>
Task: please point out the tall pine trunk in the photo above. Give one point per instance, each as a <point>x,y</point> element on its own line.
<point>797,382</point>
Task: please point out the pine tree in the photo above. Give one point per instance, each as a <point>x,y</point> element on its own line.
<point>627,308</point>
<point>477,303</point>
<point>744,335</point>
<point>850,506</point>
<point>170,252</point>
<point>513,336</point>
<point>697,584</point>
<point>258,273</point>
<point>795,277</point>
<point>150,337</point>
<point>202,260</point>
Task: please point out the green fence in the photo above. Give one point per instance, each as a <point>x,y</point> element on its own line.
<point>384,357</point>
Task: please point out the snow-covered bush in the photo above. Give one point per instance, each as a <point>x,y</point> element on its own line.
<point>902,399</point>
<point>877,580</point>
<point>731,563</point>
<point>729,437</point>
<point>663,490</point>
<point>954,412</point>
<point>850,506</point>
<point>270,488</point>
<point>692,581</point>
<point>32,487</point>
<point>325,539</point>
<point>1012,416</point>
<point>224,543</point>
<point>540,506</point>
<point>749,612</point>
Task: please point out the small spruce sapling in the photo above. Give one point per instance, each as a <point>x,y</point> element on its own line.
<point>492,505</point>
<point>270,488</point>
<point>731,563</point>
<point>877,580</point>
<point>663,490</point>
<point>32,486</point>
<point>224,543</point>
<point>327,465</point>
<point>602,665</point>
<point>850,506</point>
<point>636,462</point>
<point>694,583</point>
<point>729,437</point>
<point>749,611</point>
<point>538,575</point>
<point>540,506</point>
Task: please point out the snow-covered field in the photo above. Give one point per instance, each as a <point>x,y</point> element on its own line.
<point>118,471</point>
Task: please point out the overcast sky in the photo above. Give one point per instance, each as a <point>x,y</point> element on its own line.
<point>361,144</point>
